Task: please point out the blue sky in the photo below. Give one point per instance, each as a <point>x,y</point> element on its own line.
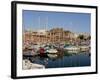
<point>76,22</point>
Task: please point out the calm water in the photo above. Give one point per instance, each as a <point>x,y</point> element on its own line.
<point>64,60</point>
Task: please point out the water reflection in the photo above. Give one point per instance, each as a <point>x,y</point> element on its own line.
<point>63,59</point>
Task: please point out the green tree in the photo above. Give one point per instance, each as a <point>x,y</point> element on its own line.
<point>81,37</point>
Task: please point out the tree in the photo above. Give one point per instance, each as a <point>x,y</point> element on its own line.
<point>81,37</point>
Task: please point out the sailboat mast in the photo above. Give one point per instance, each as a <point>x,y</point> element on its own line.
<point>39,29</point>
<point>59,35</point>
<point>46,28</point>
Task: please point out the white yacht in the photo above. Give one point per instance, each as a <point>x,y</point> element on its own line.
<point>72,49</point>
<point>52,51</point>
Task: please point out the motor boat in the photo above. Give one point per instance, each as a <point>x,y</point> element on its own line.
<point>72,49</point>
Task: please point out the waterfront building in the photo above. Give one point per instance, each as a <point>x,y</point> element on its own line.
<point>55,35</point>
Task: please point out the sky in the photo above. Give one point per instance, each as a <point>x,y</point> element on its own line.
<point>75,22</point>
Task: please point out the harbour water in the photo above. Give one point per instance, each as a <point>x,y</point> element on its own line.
<point>64,59</point>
